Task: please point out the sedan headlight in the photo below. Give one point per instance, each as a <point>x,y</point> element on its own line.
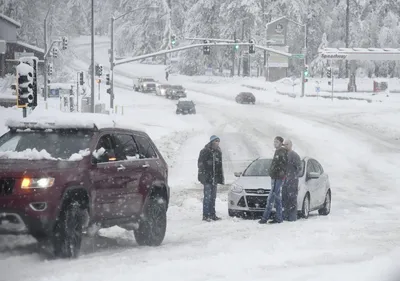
<point>29,183</point>
<point>236,188</point>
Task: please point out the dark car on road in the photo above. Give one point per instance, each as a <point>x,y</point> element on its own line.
<point>185,107</point>
<point>59,182</point>
<point>245,97</point>
<point>175,92</point>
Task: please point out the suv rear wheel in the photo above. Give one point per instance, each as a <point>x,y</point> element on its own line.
<point>152,227</point>
<point>67,235</point>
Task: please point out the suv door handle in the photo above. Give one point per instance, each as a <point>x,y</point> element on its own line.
<point>145,165</point>
<point>121,168</point>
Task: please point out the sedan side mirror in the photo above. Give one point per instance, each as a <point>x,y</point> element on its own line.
<point>237,174</point>
<point>312,175</point>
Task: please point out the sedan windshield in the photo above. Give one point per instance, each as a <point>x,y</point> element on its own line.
<point>59,144</point>
<point>258,168</point>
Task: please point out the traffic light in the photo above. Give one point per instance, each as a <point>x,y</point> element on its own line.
<point>24,85</point>
<point>236,45</point>
<point>81,81</point>
<point>329,72</point>
<point>100,70</point>
<point>109,91</point>
<point>107,79</point>
<point>206,49</point>
<point>55,52</point>
<point>306,71</point>
<point>50,69</point>
<point>173,39</point>
<point>252,48</point>
<point>64,43</point>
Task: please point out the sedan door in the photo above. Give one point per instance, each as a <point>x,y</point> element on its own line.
<point>321,183</point>
<point>312,184</point>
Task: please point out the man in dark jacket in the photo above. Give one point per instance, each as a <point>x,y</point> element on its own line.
<point>291,183</point>
<point>277,172</point>
<point>210,174</point>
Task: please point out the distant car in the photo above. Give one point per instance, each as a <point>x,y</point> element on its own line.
<point>175,92</point>
<point>59,181</point>
<point>248,194</point>
<point>144,85</point>
<point>245,97</point>
<point>161,89</point>
<point>185,107</point>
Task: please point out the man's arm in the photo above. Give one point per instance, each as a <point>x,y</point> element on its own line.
<point>297,163</point>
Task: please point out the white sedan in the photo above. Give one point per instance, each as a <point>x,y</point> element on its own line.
<point>248,194</point>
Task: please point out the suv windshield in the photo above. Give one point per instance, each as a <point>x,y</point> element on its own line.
<point>177,87</point>
<point>258,168</point>
<point>59,144</point>
<point>148,80</point>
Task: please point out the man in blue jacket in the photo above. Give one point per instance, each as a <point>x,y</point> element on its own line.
<point>210,174</point>
<point>277,172</point>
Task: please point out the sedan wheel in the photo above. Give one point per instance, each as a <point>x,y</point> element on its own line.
<point>326,209</point>
<point>305,212</point>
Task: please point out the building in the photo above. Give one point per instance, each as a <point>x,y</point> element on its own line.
<point>11,49</point>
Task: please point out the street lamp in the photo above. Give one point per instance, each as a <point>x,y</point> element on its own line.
<point>113,19</point>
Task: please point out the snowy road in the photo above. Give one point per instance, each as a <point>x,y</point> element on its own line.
<point>357,241</point>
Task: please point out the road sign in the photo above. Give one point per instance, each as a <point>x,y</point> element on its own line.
<point>298,56</point>
<point>317,89</point>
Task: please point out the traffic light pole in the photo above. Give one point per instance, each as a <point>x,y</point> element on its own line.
<point>112,65</point>
<point>128,60</point>
<point>77,91</point>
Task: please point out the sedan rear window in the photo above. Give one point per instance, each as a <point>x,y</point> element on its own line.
<point>258,168</point>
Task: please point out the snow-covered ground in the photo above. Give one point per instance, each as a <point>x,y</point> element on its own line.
<point>357,143</point>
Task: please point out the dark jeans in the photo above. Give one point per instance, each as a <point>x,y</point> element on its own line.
<point>210,194</point>
<point>289,199</point>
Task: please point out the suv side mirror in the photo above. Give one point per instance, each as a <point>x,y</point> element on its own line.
<point>237,174</point>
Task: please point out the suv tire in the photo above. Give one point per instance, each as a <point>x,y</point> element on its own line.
<point>67,237</point>
<point>152,227</point>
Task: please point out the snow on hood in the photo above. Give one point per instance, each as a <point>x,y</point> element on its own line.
<point>254,182</point>
<point>29,154</point>
<point>53,119</point>
<point>34,154</point>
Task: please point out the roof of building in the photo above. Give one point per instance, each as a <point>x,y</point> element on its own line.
<point>29,46</point>
<point>359,50</point>
<point>10,20</point>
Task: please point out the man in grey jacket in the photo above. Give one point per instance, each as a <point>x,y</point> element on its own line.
<point>291,184</point>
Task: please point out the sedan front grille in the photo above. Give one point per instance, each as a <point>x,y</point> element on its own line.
<point>257,191</point>
<point>6,186</point>
<point>257,202</point>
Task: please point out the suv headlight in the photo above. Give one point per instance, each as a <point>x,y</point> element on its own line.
<point>29,183</point>
<point>236,188</point>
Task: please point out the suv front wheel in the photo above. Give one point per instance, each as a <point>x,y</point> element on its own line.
<point>152,227</point>
<point>67,235</point>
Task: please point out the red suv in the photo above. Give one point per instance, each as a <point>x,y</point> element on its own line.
<point>58,183</point>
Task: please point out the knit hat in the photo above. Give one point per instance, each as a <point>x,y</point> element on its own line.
<point>279,139</point>
<point>213,138</point>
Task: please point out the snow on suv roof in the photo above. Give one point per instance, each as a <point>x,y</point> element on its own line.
<point>73,120</point>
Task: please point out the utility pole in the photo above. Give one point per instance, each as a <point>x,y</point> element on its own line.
<point>92,60</point>
<point>347,33</point>
<point>241,51</point>
<point>233,56</point>
<point>112,65</point>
